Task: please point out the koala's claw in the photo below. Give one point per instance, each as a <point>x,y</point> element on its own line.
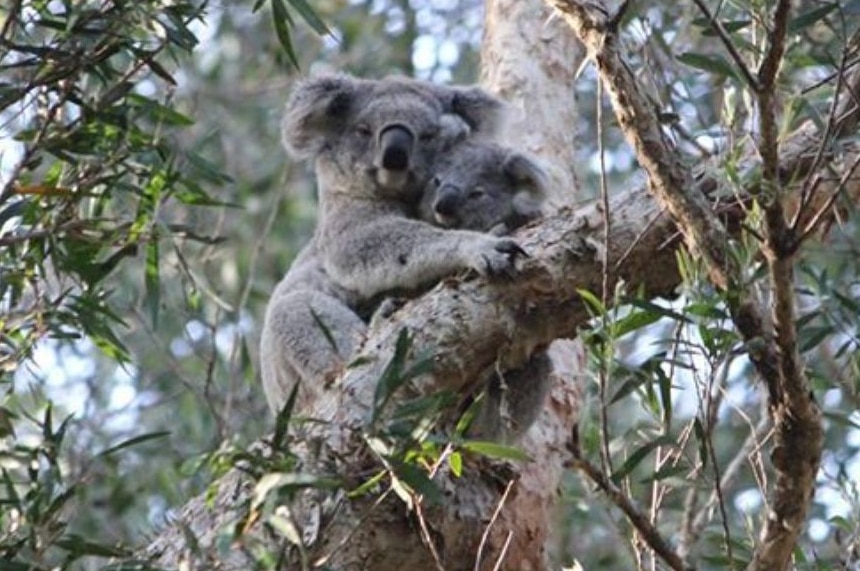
<point>511,248</point>
<point>501,260</point>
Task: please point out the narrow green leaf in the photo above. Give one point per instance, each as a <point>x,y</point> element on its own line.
<point>665,384</point>
<point>628,386</point>
<point>592,301</point>
<point>634,321</point>
<point>21,566</point>
<point>639,454</point>
<point>666,473</point>
<point>79,547</point>
<point>392,377</point>
<point>324,328</point>
<point>289,482</point>
<point>152,283</point>
<point>465,421</point>
<point>132,565</point>
<point>282,421</point>
<point>455,462</point>
<point>812,337</point>
<point>652,307</point>
<point>6,426</point>
<point>159,112</point>
<point>710,63</point>
<point>133,442</point>
<point>418,480</point>
<point>848,303</point>
<point>699,431</point>
<point>495,450</point>
<point>282,21</point>
<point>367,485</point>
<point>310,16</point>
<point>730,26</point>
<point>812,16</point>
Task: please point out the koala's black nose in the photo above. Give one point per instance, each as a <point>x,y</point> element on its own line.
<point>447,200</point>
<point>395,144</point>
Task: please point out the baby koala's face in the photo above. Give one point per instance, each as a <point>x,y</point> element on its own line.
<point>484,187</point>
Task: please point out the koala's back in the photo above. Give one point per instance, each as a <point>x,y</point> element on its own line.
<point>308,273</point>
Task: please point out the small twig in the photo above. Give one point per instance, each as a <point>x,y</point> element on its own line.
<point>639,237</point>
<point>721,501</point>
<point>808,191</point>
<point>731,473</point>
<point>504,551</point>
<point>730,46</point>
<point>603,373</point>
<point>614,22</point>
<point>486,534</point>
<point>425,535</point>
<point>343,542</point>
<point>640,521</point>
<point>819,216</point>
<point>419,509</point>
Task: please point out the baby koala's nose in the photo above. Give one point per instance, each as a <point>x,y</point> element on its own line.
<point>446,200</point>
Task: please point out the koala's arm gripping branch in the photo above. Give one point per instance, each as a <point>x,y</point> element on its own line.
<point>395,253</point>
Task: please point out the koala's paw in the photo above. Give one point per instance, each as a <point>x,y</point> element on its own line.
<point>388,307</point>
<point>496,257</point>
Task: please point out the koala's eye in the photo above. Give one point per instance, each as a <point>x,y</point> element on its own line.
<point>428,135</point>
<point>476,193</point>
<point>363,130</point>
<point>437,182</point>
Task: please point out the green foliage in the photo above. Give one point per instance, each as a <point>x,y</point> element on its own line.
<point>98,165</point>
<point>37,495</point>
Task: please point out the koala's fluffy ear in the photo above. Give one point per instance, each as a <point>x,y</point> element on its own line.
<point>453,130</point>
<point>484,113</point>
<point>315,110</point>
<point>531,182</point>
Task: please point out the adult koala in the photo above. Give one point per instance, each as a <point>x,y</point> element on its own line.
<point>374,143</point>
<point>489,188</point>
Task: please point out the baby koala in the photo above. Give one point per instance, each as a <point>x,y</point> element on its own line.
<point>485,187</point>
<point>489,188</point>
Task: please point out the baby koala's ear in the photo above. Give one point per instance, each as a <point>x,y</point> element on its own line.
<point>452,130</point>
<point>531,183</point>
<point>482,111</point>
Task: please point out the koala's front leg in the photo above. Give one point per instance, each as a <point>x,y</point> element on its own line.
<point>307,338</point>
<point>512,400</point>
<point>403,254</point>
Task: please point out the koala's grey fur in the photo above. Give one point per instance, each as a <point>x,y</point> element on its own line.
<point>489,188</point>
<point>485,187</point>
<point>374,144</point>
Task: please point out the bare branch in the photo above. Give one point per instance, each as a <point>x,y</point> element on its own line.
<point>640,521</point>
<point>723,34</point>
